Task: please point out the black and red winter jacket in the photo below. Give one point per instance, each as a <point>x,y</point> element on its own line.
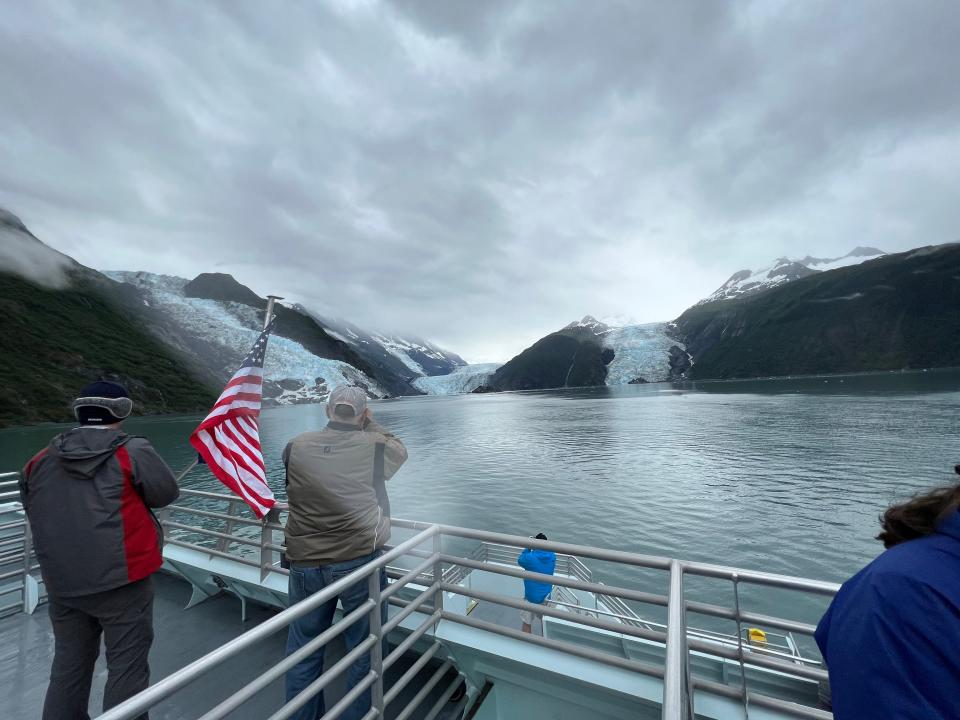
<point>87,496</point>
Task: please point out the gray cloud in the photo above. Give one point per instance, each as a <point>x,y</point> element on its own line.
<point>23,255</point>
<point>479,173</point>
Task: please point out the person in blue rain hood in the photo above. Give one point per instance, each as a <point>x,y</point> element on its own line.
<point>891,638</point>
<point>538,561</point>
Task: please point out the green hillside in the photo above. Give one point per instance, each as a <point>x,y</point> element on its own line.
<point>899,311</point>
<point>55,341</point>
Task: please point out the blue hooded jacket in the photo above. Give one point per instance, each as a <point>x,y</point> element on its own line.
<point>539,561</point>
<point>891,638</point>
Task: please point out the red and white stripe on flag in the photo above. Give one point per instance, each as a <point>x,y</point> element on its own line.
<point>228,439</point>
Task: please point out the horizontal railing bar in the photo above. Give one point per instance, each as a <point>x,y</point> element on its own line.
<point>619,628</point>
<point>15,495</point>
<point>14,524</point>
<point>648,598</point>
<point>428,594</point>
<point>754,577</point>
<point>764,661</point>
<point>262,681</point>
<point>424,691</point>
<point>404,679</point>
<point>12,573</point>
<point>784,706</point>
<point>215,496</point>
<point>317,686</point>
<point>589,610</point>
<point>617,556</point>
<point>444,698</point>
<point>400,583</point>
<point>9,474</point>
<point>214,533</point>
<point>749,617</point>
<point>408,642</point>
<point>214,515</point>
<point>349,697</point>
<point>9,483</point>
<point>12,608</point>
<point>569,648</point>
<point>558,580</point>
<point>164,688</point>
<point>11,541</point>
<point>216,553</point>
<point>635,559</point>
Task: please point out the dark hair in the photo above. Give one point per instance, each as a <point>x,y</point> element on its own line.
<point>920,515</point>
<point>541,536</point>
<point>342,410</point>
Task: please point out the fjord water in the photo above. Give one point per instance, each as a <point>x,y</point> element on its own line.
<point>785,476</point>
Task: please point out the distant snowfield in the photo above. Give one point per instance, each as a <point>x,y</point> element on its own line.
<point>235,326</point>
<point>786,270</point>
<point>464,379</point>
<point>641,351</point>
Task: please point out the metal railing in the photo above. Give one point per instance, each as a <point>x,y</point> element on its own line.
<point>252,542</point>
<point>372,644</point>
<point>18,561</point>
<point>679,685</point>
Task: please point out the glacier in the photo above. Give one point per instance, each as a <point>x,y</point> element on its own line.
<point>464,379</point>
<point>640,351</point>
<point>292,373</point>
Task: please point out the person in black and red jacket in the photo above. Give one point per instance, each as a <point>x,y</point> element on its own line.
<point>88,496</point>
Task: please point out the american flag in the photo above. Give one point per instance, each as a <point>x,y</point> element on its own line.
<point>228,439</point>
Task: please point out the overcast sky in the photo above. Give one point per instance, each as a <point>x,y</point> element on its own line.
<point>480,173</point>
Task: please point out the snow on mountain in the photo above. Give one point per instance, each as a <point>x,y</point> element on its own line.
<point>411,356</point>
<point>464,379</point>
<point>223,332</point>
<point>641,350</point>
<point>784,270</point>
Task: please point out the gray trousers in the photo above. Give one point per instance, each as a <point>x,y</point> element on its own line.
<point>124,617</point>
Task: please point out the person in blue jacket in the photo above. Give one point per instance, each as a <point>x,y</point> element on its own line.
<point>538,561</point>
<point>891,637</point>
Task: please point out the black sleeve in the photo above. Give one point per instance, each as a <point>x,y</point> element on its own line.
<point>286,463</point>
<point>151,476</point>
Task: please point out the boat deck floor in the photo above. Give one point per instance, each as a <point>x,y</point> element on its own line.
<point>502,615</point>
<point>181,636</point>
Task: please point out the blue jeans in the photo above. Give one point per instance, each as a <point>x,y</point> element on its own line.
<point>305,582</point>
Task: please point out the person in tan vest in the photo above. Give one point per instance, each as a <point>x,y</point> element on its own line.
<point>339,520</point>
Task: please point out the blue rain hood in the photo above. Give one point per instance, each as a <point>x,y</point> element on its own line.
<point>539,561</point>
<point>891,638</point>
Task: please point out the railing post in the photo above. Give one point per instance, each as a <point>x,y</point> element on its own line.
<point>437,572</point>
<point>31,593</point>
<point>163,515</point>
<point>743,669</point>
<point>675,681</point>
<point>222,543</point>
<point>376,652</point>
<point>266,538</point>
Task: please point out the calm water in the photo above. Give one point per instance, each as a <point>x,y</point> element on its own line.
<point>785,476</point>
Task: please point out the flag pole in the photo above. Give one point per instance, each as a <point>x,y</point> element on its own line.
<point>268,315</point>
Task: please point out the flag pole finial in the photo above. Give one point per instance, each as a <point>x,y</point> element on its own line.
<point>271,299</point>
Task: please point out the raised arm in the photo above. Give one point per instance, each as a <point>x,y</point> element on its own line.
<point>394,453</point>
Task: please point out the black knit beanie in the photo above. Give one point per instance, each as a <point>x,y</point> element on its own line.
<point>102,403</point>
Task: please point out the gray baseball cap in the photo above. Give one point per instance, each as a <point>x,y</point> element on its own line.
<point>350,395</point>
